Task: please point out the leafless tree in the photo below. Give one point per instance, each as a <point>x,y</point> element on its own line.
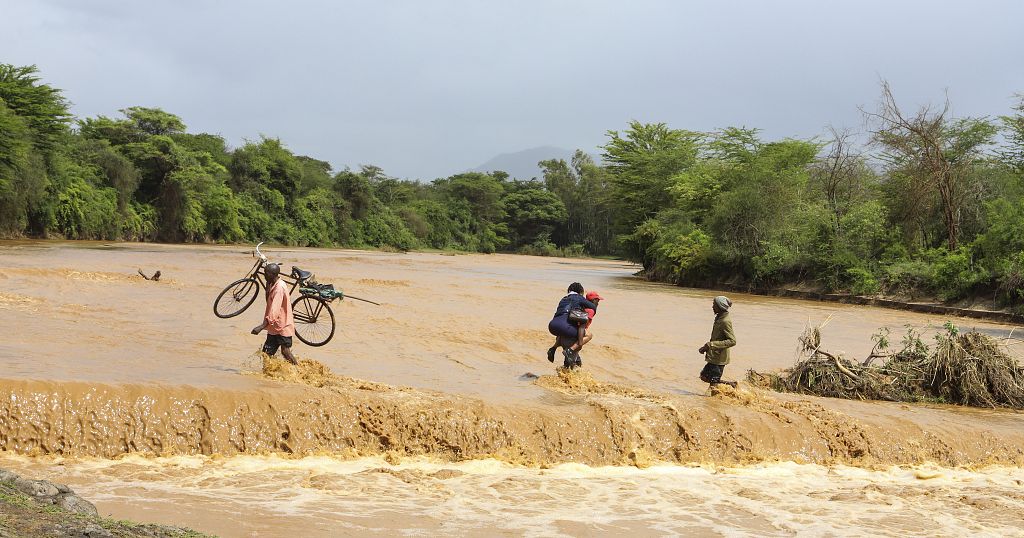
<point>839,173</point>
<point>936,153</point>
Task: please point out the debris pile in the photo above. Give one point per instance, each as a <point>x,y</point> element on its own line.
<point>969,369</point>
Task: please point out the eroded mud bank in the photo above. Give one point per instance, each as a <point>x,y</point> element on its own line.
<point>309,410</point>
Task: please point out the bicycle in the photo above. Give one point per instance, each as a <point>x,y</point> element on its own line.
<point>314,319</point>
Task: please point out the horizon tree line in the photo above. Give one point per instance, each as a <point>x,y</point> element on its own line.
<point>929,205</point>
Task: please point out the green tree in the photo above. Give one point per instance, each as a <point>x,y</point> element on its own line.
<point>934,153</point>
<point>20,167</point>
<point>720,167</point>
<point>154,121</point>
<point>314,214</point>
<point>15,141</point>
<point>41,106</point>
<point>532,213</point>
<point>841,177</point>
<point>118,170</point>
<point>760,215</point>
<point>315,174</point>
<point>213,145</point>
<point>482,192</point>
<point>33,123</point>
<point>356,191</point>
<point>586,191</point>
<point>642,162</point>
<point>475,199</point>
<point>1012,152</point>
<point>267,163</point>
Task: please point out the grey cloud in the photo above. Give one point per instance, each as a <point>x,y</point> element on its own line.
<point>425,89</point>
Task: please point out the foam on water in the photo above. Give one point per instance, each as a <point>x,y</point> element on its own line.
<point>321,495</point>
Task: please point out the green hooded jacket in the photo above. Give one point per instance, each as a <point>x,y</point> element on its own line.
<point>722,338</point>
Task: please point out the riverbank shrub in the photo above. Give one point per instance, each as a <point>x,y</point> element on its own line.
<point>1011,282</point>
<point>956,275</point>
<point>544,247</point>
<point>906,278</point>
<point>862,281</point>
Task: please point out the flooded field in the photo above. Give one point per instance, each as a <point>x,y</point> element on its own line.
<point>421,417</point>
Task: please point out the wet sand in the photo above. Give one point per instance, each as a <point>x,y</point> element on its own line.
<point>107,364</point>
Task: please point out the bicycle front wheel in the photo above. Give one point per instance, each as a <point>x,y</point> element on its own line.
<point>314,320</point>
<point>237,297</point>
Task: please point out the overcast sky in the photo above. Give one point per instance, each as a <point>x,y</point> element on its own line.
<point>429,88</point>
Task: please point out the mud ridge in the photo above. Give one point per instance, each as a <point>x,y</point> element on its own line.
<point>309,410</point>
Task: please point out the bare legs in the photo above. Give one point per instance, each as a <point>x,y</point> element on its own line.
<point>570,347</point>
<point>287,352</point>
<point>582,339</point>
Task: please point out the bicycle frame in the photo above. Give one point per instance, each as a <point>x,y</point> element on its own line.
<point>257,272</point>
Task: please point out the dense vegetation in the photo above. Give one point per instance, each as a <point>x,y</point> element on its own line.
<point>930,204</point>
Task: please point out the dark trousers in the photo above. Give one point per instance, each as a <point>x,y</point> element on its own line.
<point>712,373</point>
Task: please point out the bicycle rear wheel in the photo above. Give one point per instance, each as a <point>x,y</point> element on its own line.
<point>314,320</point>
<point>237,297</point>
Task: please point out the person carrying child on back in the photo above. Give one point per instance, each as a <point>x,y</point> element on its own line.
<point>569,333</point>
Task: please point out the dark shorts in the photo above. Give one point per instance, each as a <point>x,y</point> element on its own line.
<point>275,341</point>
<point>712,373</point>
<point>560,326</point>
<point>566,341</point>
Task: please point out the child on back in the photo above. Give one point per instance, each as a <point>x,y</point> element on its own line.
<point>595,298</point>
<point>587,336</point>
<point>573,344</point>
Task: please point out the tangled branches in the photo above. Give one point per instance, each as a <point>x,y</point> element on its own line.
<point>965,369</point>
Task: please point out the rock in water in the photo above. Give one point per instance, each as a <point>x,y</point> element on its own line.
<point>40,489</point>
<point>46,492</point>
<point>76,504</point>
<point>445,474</point>
<point>63,513</point>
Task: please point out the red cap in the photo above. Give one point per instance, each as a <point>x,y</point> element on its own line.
<point>594,295</point>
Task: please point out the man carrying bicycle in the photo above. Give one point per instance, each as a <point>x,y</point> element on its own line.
<point>277,319</point>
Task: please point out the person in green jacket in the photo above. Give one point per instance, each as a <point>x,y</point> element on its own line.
<point>716,351</point>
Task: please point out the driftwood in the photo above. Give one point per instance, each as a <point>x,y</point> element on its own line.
<point>963,368</point>
<point>154,278</point>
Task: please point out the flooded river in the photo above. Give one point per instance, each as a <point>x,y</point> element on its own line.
<point>321,496</point>
<point>424,421</point>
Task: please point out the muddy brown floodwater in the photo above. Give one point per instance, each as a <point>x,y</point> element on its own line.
<point>417,417</point>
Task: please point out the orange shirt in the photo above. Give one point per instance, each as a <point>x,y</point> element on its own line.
<point>279,310</point>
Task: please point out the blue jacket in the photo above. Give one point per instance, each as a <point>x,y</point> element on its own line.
<point>571,301</point>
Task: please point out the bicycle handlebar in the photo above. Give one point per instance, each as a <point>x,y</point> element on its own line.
<point>264,258</point>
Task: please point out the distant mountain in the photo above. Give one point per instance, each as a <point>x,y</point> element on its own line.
<point>523,164</point>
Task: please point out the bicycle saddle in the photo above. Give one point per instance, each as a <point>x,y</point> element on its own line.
<point>300,274</point>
